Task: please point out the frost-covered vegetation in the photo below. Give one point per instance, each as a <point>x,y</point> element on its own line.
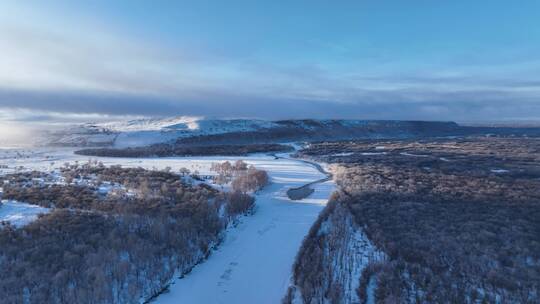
<point>114,234</point>
<point>163,150</point>
<point>242,178</point>
<point>452,229</point>
<point>333,257</point>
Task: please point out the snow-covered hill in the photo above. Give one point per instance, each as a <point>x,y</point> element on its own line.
<point>142,132</point>
<point>189,124</point>
<point>200,130</point>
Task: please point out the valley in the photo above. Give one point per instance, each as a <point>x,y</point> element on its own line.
<point>269,152</point>
<point>367,220</point>
<point>255,249</point>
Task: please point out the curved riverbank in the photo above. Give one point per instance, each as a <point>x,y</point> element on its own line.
<point>253,264</point>
<point>306,190</point>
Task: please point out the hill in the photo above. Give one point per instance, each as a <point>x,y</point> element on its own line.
<point>201,131</point>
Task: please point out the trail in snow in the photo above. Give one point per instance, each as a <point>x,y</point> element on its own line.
<point>253,264</point>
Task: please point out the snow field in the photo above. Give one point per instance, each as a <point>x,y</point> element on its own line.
<point>253,264</point>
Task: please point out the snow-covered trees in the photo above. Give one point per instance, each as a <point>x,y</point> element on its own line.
<point>250,180</point>
<point>453,230</point>
<point>83,257</point>
<point>163,150</point>
<point>239,202</point>
<point>224,172</point>
<point>184,171</point>
<point>119,248</point>
<point>243,178</point>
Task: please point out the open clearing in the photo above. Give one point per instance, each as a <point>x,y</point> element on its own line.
<point>19,214</point>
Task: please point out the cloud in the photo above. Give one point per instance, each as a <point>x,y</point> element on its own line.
<point>74,106</point>
<point>92,72</point>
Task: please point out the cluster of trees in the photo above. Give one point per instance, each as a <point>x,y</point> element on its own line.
<point>163,150</point>
<point>243,178</point>
<point>54,196</point>
<point>466,147</point>
<point>85,257</point>
<point>333,255</point>
<point>408,180</point>
<point>450,249</point>
<point>109,248</point>
<point>452,234</point>
<point>474,156</point>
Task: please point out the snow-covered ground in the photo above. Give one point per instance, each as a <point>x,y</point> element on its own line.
<point>253,264</point>
<point>343,154</point>
<point>414,155</point>
<point>147,131</point>
<point>48,159</point>
<point>19,214</point>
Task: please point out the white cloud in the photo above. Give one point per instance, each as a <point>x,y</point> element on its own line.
<point>72,64</point>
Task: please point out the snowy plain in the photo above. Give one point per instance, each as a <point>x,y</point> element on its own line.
<point>254,262</point>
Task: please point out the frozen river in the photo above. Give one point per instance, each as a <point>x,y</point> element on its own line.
<point>254,263</point>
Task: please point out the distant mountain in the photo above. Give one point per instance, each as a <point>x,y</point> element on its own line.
<point>204,131</point>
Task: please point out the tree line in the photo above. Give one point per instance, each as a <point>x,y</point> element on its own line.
<point>164,150</point>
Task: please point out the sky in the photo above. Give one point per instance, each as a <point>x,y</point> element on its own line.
<point>461,60</point>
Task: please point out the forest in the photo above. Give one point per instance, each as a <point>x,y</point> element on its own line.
<point>457,220</point>
<point>164,150</point>
<point>121,245</point>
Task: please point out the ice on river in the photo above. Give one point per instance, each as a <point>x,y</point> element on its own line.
<point>254,263</point>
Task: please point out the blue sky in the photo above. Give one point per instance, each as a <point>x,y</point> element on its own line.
<point>430,60</point>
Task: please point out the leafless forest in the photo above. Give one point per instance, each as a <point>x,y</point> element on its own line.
<point>121,245</point>
<point>162,150</point>
<point>457,219</point>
